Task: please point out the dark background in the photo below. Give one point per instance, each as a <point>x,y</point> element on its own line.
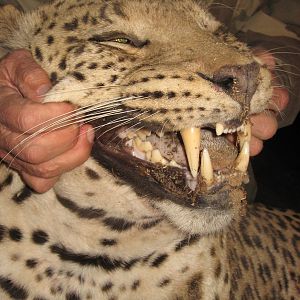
<point>277,169</point>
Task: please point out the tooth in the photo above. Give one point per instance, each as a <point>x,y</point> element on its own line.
<point>219,128</point>
<point>192,140</point>
<point>131,135</point>
<point>242,161</point>
<point>148,155</point>
<point>160,133</point>
<point>156,156</point>
<point>173,163</point>
<point>207,171</point>
<point>245,135</point>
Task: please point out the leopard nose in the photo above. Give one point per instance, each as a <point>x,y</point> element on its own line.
<point>239,81</point>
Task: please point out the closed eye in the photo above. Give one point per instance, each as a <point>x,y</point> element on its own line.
<point>119,38</point>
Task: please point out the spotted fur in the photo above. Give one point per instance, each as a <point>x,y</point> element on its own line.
<point>97,236</point>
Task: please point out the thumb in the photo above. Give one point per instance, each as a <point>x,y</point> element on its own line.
<point>30,79</point>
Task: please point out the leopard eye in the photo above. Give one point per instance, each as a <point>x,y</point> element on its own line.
<point>122,41</point>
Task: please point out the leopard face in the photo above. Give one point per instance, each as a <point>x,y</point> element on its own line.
<point>162,84</point>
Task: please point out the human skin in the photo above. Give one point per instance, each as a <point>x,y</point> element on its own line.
<point>47,156</point>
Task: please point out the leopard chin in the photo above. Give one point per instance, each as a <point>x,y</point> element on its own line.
<point>161,166</point>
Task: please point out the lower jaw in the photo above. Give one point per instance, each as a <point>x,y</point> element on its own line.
<point>161,183</point>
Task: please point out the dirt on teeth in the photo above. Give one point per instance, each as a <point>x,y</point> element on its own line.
<point>215,151</point>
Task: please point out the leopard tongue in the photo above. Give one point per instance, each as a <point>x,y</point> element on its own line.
<point>192,140</point>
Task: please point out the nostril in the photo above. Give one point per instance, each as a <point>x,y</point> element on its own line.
<point>226,83</point>
<point>240,81</point>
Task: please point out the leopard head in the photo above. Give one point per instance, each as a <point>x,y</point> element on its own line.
<point>163,84</point>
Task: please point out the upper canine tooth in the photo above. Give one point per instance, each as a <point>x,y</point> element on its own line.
<point>219,128</point>
<point>207,171</point>
<point>192,140</point>
<point>242,161</point>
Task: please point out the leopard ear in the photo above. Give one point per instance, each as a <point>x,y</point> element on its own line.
<point>9,24</point>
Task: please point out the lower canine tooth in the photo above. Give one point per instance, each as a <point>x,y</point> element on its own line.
<point>192,139</point>
<point>207,171</point>
<point>242,161</point>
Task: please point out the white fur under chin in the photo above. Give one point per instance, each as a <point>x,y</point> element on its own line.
<point>195,221</point>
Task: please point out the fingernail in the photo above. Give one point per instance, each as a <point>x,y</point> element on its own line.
<point>42,90</point>
<point>90,135</point>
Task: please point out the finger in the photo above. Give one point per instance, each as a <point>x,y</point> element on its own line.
<point>20,115</point>
<point>65,162</point>
<point>40,185</point>
<point>21,70</point>
<point>41,148</point>
<point>279,100</point>
<point>256,146</point>
<point>264,125</point>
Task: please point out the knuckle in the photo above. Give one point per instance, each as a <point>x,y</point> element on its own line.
<point>33,154</point>
<point>47,170</point>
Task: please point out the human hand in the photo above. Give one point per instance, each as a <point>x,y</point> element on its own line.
<point>265,124</point>
<point>41,161</point>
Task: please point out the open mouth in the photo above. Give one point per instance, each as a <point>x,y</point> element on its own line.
<point>186,166</point>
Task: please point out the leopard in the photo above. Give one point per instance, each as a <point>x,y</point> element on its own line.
<point>159,210</point>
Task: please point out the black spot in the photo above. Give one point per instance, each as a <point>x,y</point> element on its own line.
<point>15,234</point>
<point>37,31</point>
<point>118,10</point>
<point>200,108</point>
<point>85,18</point>
<point>216,110</point>
<point>79,64</point>
<point>50,40</point>
<point>135,285</point>
<point>79,50</point>
<point>71,39</point>
<point>106,287</point>
<point>218,270</point>
<point>108,242</point>
<point>14,290</point>
<point>53,77</point>
<point>190,240</point>
<point>159,260</point>
<point>62,64</point>
<point>103,261</point>
<point>40,237</point>
<point>22,195</point>
<point>81,212</point>
<point>118,224</point>
<point>8,180</point>
<point>186,94</point>
<point>160,76</point>
<point>93,66</point>
<point>49,272</point>
<point>145,79</point>
<point>150,224</point>
<point>158,94</point>
<point>164,282</point>
<point>2,232</point>
<point>72,296</point>
<point>92,174</point>
<point>190,78</point>
<point>38,53</point>
<point>71,25</point>
<point>52,25</point>
<point>31,263</point>
<point>108,65</point>
<point>79,76</point>
<point>171,95</point>
<point>113,78</point>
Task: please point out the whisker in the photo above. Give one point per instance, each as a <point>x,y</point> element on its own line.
<point>82,90</point>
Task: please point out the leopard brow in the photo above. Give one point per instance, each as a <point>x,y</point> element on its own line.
<point>107,36</point>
